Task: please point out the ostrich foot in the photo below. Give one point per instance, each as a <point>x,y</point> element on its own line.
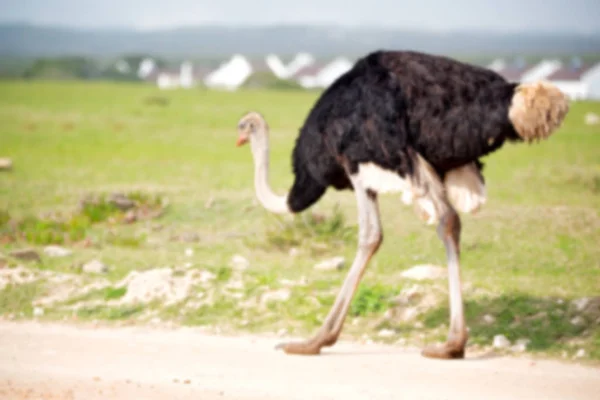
<point>307,348</point>
<point>447,351</point>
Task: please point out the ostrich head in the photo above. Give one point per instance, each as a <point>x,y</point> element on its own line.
<point>249,127</point>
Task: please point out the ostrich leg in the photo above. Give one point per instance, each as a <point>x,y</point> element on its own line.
<point>449,232</point>
<point>370,238</point>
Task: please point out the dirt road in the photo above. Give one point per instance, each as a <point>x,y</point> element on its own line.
<point>48,361</point>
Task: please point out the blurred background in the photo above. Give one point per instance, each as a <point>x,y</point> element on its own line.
<point>234,43</point>
<point>124,200</point>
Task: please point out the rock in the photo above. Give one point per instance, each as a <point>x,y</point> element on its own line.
<point>592,119</point>
<point>38,311</point>
<point>578,321</point>
<point>520,345</point>
<point>236,284</point>
<point>5,164</point>
<point>580,353</point>
<point>294,252</point>
<point>189,252</point>
<point>16,276</point>
<point>408,314</point>
<point>156,284</point>
<point>95,267</point>
<point>408,295</point>
<point>489,319</point>
<point>501,342</point>
<point>57,251</point>
<point>275,295</point>
<point>282,332</point>
<point>386,333</point>
<point>425,271</point>
<point>209,202</point>
<point>26,255</point>
<point>206,276</point>
<point>581,304</point>
<point>130,217</point>
<point>189,237</point>
<point>121,201</point>
<point>335,263</point>
<point>239,262</point>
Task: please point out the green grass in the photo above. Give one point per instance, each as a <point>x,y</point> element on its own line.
<point>535,241</point>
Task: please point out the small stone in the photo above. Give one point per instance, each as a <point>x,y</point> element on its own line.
<point>386,333</point>
<point>189,252</point>
<point>130,217</point>
<point>189,237</point>
<point>501,342</point>
<point>335,263</point>
<point>578,321</point>
<point>282,332</point>
<point>408,314</point>
<point>186,382</point>
<point>581,304</point>
<point>121,201</point>
<point>239,262</point>
<point>520,345</point>
<point>424,272</point>
<point>95,267</point>
<point>580,353</point>
<point>489,319</point>
<point>38,311</point>
<point>294,252</point>
<point>57,251</point>
<point>26,255</point>
<point>408,295</point>
<point>5,164</point>
<point>276,295</point>
<point>236,284</point>
<point>206,276</point>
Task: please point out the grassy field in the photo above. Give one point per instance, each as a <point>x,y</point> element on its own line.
<point>527,256</point>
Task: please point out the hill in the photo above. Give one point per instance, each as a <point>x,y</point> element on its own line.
<point>29,40</point>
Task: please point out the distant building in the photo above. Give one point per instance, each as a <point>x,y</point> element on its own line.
<point>512,72</point>
<point>230,75</point>
<point>321,76</point>
<point>578,80</point>
<point>300,61</point>
<point>147,66</point>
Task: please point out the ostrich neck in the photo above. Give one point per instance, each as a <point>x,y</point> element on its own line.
<point>266,196</point>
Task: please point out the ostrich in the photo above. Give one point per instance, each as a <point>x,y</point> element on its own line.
<point>411,123</point>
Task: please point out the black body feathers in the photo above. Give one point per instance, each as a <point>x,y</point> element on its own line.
<point>391,105</point>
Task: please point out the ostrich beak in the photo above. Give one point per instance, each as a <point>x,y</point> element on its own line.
<point>242,139</point>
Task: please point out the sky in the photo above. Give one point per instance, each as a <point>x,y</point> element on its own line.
<point>439,15</point>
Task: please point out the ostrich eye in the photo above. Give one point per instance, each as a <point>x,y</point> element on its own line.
<point>242,125</point>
